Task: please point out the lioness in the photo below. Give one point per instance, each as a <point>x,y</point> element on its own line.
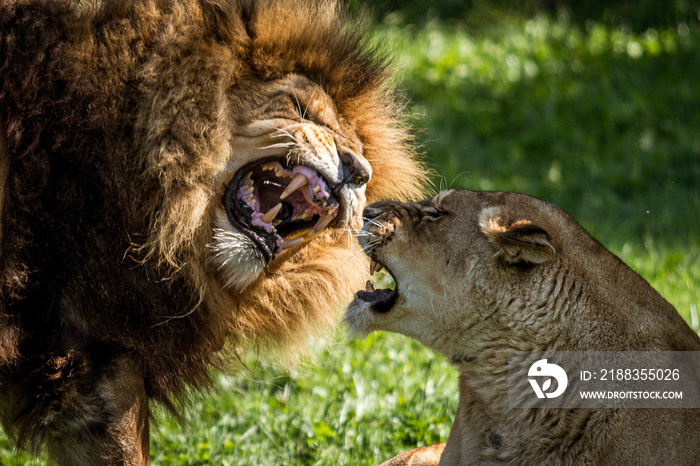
<point>177,184</point>
<point>479,275</point>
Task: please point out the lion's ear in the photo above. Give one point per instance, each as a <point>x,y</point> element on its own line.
<point>518,242</point>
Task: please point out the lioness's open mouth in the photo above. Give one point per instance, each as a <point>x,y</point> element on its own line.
<point>272,202</point>
<point>381,300</point>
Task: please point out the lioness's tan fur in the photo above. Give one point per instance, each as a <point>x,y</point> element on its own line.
<point>480,275</point>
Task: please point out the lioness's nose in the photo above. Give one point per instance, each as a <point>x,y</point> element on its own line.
<point>376,209</point>
<point>356,169</point>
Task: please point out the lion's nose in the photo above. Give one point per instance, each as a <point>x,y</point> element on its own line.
<point>355,168</point>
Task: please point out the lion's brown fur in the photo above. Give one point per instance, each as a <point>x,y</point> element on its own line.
<point>116,118</point>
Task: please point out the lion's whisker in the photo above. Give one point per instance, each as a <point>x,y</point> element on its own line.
<point>277,146</point>
<point>282,133</point>
<point>302,114</point>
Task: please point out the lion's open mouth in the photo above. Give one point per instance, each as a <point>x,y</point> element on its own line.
<point>273,202</point>
<point>381,300</point>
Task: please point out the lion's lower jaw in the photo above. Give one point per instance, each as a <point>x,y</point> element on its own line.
<point>303,295</point>
<point>234,255</point>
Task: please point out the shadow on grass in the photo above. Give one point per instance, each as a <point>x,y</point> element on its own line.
<point>603,124</point>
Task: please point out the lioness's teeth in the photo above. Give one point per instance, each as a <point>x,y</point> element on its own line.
<point>272,213</point>
<point>297,182</point>
<point>317,188</point>
<point>369,287</point>
<point>372,264</point>
<point>378,267</point>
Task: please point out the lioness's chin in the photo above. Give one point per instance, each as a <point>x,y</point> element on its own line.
<point>369,309</point>
<point>359,318</point>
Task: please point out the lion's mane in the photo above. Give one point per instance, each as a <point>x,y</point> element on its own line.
<point>116,119</point>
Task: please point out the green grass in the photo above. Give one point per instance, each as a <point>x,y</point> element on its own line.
<point>600,121</point>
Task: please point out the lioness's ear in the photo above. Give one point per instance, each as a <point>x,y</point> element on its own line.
<point>519,242</point>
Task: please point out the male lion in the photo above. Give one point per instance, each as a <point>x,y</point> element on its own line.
<point>174,175</point>
<point>504,272</point>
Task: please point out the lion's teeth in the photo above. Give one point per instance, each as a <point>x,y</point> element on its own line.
<point>317,188</point>
<point>297,182</point>
<point>323,221</point>
<point>272,213</point>
<point>369,287</point>
<point>286,244</point>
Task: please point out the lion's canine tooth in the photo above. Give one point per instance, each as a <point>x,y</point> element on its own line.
<point>286,244</point>
<point>272,213</point>
<point>297,182</point>
<point>369,287</point>
<point>317,188</point>
<point>323,222</point>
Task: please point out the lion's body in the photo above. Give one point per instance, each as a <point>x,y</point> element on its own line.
<point>122,124</point>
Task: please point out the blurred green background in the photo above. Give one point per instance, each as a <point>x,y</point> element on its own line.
<point>594,107</point>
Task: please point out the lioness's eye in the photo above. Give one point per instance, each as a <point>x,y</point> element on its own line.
<point>436,214</point>
<point>432,214</point>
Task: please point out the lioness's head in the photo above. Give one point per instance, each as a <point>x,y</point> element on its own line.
<point>466,265</point>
